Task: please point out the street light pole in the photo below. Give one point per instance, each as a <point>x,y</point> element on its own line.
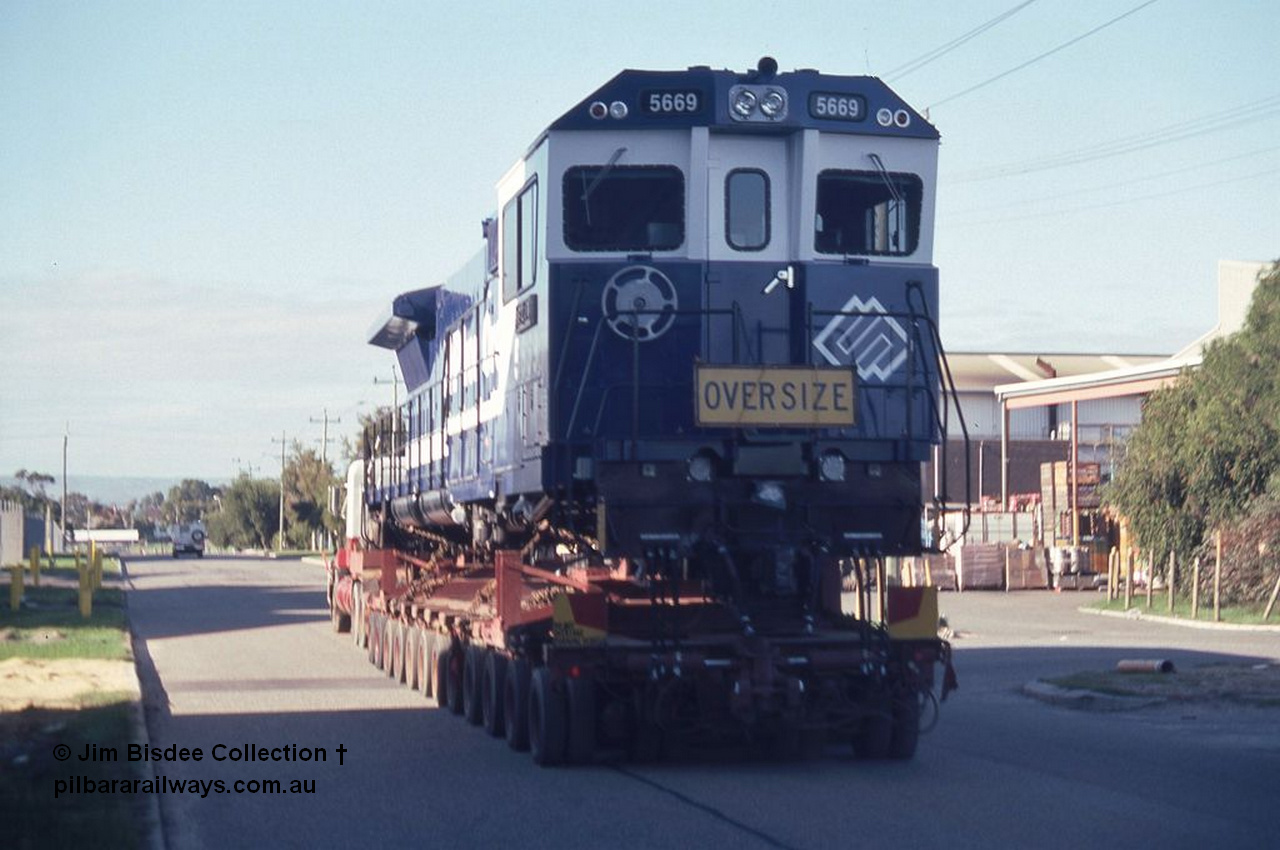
<point>280,538</point>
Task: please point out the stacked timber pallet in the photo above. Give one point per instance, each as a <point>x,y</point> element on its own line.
<point>931,570</point>
<point>1027,569</point>
<point>981,566</point>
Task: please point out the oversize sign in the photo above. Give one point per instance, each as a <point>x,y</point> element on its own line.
<point>776,396</point>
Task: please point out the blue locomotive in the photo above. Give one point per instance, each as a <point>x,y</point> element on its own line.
<point>701,329</point>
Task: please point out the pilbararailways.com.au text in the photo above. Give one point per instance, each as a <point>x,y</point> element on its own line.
<point>193,787</point>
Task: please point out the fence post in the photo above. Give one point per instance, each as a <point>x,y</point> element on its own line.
<point>34,557</point>
<point>1271,603</point>
<point>1217,577</point>
<point>86,591</point>
<point>1196,588</point>
<point>15,587</point>
<point>1128,580</point>
<point>1151,574</point>
<point>1113,572</point>
<point>1173,569</point>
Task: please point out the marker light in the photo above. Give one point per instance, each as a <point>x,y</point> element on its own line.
<point>744,103</point>
<point>598,110</point>
<point>773,104</point>
<point>902,118</point>
<point>884,117</point>
<point>618,110</point>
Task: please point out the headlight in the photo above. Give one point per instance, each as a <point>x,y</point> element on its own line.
<point>701,468</point>
<point>771,494</point>
<point>744,102</point>
<point>831,466</point>
<point>773,104</point>
<point>618,110</point>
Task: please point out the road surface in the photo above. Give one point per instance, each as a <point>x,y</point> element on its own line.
<point>239,653</point>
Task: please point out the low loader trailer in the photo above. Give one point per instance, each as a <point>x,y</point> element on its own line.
<point>576,663</point>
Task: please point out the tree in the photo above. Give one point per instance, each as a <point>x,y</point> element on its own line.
<point>189,501</point>
<point>307,482</point>
<point>248,516</point>
<point>1208,446</point>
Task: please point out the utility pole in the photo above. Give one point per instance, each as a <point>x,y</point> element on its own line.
<point>324,440</point>
<point>395,406</point>
<point>66,435</point>
<point>280,538</point>
<point>324,455</point>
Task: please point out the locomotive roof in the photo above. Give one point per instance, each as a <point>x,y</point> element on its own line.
<point>806,92</point>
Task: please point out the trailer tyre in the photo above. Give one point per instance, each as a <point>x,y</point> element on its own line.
<point>548,718</point>
<point>492,693</point>
<point>875,736</point>
<point>581,697</point>
<point>906,726</point>
<point>357,615</point>
<point>413,659</point>
<point>515,704</point>
<point>440,675</point>
<point>472,685</point>
<point>429,650</point>
<point>453,662</point>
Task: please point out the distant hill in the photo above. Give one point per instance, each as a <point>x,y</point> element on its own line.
<point>111,490</point>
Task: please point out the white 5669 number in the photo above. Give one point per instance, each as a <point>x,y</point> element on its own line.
<point>848,107</point>
<point>673,102</point>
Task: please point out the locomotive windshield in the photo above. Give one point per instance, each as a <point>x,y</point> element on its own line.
<point>623,208</point>
<point>868,212</point>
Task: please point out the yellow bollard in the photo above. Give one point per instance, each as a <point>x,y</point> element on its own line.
<point>86,594</point>
<point>97,570</point>
<point>35,566</point>
<point>15,588</point>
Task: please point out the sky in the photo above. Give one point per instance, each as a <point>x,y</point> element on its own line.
<point>204,206</point>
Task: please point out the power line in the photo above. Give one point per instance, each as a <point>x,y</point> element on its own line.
<point>938,52</point>
<point>1044,55</point>
<point>1121,183</point>
<point>1131,200</point>
<point>1258,110</point>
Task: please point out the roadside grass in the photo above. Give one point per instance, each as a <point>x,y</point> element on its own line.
<point>49,625</point>
<point>49,631</point>
<point>1247,615</point>
<point>31,813</point>
<point>1243,684</point>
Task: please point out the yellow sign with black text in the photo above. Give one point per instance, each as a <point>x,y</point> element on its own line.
<point>776,396</point>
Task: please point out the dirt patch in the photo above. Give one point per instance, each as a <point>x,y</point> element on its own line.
<point>62,682</point>
<point>1242,684</point>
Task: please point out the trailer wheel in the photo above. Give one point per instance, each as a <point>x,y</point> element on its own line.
<point>390,647</point>
<point>491,693</point>
<point>515,704</point>
<point>440,676</point>
<point>413,660</point>
<point>357,615</point>
<point>375,638</point>
<point>547,719</point>
<point>428,655</point>
<point>341,621</point>
<point>581,743</point>
<point>453,662</point>
<point>906,726</point>
<point>403,654</point>
<point>875,736</point>
<point>472,685</point>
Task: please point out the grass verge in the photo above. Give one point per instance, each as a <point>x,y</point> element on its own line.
<point>1242,684</point>
<point>48,641</point>
<point>1245,615</point>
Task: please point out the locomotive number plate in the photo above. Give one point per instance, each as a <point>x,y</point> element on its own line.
<point>776,396</point>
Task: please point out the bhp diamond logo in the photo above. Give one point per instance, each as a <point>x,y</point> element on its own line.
<point>866,337</point>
